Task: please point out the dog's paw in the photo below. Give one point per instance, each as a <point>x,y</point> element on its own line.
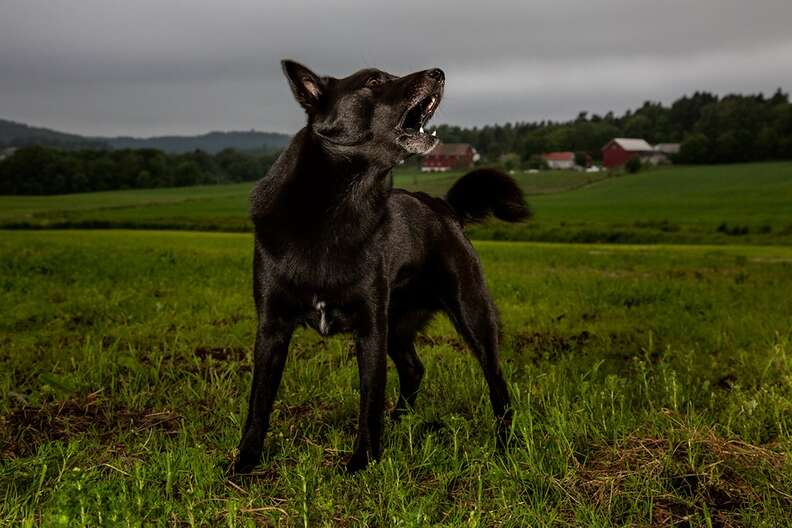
<point>395,414</point>
<point>244,464</point>
<point>241,468</point>
<point>358,461</point>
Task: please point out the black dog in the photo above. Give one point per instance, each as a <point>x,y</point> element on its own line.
<point>339,250</point>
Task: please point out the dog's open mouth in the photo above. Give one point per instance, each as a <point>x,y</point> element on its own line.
<point>419,113</point>
<point>412,136</point>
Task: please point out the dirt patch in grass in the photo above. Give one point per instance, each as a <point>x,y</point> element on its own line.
<point>455,342</point>
<point>27,427</point>
<point>232,319</point>
<point>550,343</point>
<point>699,474</point>
<point>221,353</point>
<point>315,410</point>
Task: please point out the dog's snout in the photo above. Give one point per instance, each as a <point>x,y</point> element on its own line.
<point>436,74</point>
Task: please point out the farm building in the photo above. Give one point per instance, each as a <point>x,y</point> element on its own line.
<point>663,152</point>
<point>7,152</point>
<point>667,148</point>
<point>619,150</point>
<point>447,156</point>
<point>559,160</point>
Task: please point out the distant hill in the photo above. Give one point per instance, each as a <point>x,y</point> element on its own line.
<point>18,134</point>
<point>212,142</point>
<point>13,134</point>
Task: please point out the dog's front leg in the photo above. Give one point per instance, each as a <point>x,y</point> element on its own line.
<point>269,358</point>
<point>371,357</point>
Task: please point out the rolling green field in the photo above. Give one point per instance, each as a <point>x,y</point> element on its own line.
<point>652,385</point>
<point>212,207</point>
<point>726,204</point>
<point>749,203</point>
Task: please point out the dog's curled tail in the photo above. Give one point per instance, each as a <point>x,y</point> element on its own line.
<point>482,192</point>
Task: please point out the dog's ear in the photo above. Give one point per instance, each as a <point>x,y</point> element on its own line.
<point>306,86</point>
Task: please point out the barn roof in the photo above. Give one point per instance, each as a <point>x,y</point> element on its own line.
<point>559,156</point>
<point>450,149</point>
<point>631,144</point>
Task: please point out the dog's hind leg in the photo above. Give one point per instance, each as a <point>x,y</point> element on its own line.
<point>401,350</point>
<point>473,313</point>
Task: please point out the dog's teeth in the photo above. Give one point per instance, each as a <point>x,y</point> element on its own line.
<point>434,133</point>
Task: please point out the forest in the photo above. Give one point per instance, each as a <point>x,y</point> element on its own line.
<point>37,169</point>
<point>711,129</point>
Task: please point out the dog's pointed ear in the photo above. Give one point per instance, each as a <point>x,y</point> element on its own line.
<point>306,86</point>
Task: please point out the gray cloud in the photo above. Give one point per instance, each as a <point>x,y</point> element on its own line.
<point>178,66</point>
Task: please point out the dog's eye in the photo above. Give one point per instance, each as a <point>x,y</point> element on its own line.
<point>374,81</point>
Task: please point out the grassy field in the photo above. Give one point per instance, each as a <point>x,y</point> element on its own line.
<point>652,386</point>
<point>219,206</point>
<point>746,204</point>
<point>749,203</point>
<point>213,208</point>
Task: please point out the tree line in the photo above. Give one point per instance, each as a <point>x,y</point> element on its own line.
<point>711,129</point>
<point>45,170</point>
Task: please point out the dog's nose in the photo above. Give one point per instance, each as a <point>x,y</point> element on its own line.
<point>436,74</point>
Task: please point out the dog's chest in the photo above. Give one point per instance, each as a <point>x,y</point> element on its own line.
<point>328,318</point>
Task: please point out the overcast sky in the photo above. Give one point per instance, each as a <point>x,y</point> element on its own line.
<point>146,67</point>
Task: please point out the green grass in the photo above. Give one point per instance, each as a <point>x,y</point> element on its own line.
<point>726,204</point>
<point>652,386</point>
<point>193,204</point>
<point>749,203</point>
<point>214,208</point>
<point>216,201</point>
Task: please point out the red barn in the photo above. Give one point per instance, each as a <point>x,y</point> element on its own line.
<point>619,150</point>
<point>447,156</point>
<point>559,160</point>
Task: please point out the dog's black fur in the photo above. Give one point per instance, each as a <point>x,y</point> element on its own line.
<point>339,250</point>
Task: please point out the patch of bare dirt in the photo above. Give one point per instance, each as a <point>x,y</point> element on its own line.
<point>26,427</point>
<point>726,476</point>
<point>455,342</point>
<point>550,342</point>
<point>221,353</point>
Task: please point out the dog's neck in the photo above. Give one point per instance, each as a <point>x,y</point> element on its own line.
<point>317,187</point>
